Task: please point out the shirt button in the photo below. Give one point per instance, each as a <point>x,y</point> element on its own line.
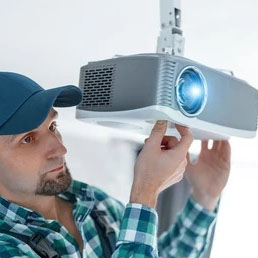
<point>198,246</point>
<point>80,217</point>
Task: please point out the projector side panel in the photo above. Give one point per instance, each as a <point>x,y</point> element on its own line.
<point>136,82</point>
<point>232,102</point>
<point>120,84</point>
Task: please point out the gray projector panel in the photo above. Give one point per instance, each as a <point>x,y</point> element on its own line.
<point>128,92</point>
<point>149,79</point>
<point>231,101</point>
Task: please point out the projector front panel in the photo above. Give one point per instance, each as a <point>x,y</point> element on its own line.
<point>231,102</point>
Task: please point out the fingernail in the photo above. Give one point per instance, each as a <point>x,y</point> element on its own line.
<point>161,122</point>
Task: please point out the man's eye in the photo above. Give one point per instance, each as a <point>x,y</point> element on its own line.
<point>27,140</point>
<point>53,127</point>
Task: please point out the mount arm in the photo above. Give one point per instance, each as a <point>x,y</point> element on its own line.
<point>170,40</point>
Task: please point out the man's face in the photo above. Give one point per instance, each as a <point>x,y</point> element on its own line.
<point>33,162</point>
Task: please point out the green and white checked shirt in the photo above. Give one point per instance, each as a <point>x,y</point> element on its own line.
<point>135,226</point>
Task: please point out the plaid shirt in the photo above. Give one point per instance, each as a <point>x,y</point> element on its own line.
<point>135,226</point>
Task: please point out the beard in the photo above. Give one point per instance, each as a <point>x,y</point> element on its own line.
<point>58,185</point>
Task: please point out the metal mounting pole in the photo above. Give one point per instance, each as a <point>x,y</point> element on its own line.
<point>170,40</point>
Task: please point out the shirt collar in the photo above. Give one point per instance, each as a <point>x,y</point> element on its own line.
<point>78,193</point>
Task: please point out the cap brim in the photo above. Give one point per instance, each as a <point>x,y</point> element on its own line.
<point>33,112</point>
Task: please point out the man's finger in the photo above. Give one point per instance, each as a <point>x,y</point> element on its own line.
<point>216,145</point>
<point>225,150</point>
<point>157,133</point>
<point>186,138</point>
<point>204,145</point>
<point>146,140</point>
<point>189,162</point>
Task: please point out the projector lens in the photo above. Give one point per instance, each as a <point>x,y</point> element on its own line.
<point>191,91</point>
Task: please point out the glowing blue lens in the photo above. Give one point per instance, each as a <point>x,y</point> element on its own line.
<point>191,91</point>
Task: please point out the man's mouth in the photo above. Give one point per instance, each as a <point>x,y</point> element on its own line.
<point>56,169</point>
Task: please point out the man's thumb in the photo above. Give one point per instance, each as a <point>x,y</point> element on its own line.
<point>158,132</point>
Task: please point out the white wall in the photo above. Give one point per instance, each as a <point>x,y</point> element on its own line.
<point>50,40</point>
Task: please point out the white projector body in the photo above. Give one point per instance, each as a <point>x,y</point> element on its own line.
<point>132,92</point>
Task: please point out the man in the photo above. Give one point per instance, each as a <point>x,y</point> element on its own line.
<point>39,198</point>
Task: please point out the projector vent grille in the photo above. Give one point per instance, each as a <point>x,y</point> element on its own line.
<point>97,87</point>
<point>257,118</point>
<point>165,94</point>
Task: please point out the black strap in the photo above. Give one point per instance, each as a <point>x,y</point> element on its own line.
<point>105,232</point>
<point>36,242</point>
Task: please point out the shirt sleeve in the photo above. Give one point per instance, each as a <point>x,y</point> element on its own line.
<point>190,235</point>
<point>138,232</point>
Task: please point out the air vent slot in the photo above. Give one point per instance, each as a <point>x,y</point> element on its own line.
<point>165,94</point>
<point>257,118</point>
<point>96,84</point>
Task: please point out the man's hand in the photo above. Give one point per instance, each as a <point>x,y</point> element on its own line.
<point>161,163</point>
<point>209,174</point>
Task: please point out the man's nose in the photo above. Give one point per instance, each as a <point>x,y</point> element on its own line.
<point>55,148</point>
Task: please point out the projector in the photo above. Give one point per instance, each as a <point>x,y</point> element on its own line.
<point>132,92</point>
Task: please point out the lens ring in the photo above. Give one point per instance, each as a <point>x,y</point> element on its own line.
<point>191,78</point>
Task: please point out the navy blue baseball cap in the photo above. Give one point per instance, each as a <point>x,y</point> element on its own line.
<point>24,105</point>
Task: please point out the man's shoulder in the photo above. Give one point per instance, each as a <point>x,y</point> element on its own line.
<point>104,201</point>
<point>113,207</point>
<point>101,195</point>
